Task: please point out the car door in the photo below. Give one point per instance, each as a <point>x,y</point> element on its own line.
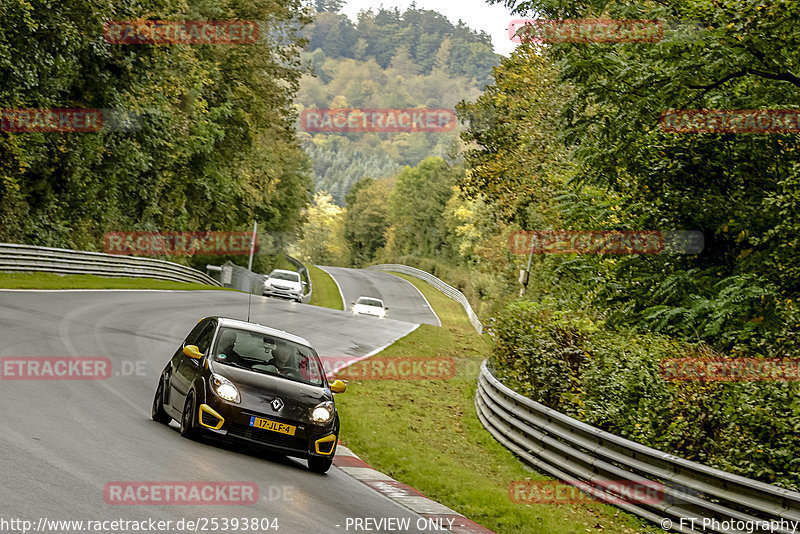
<point>175,361</point>
<point>187,368</point>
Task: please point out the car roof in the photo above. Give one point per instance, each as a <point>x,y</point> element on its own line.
<point>284,271</point>
<point>261,329</point>
<point>371,298</point>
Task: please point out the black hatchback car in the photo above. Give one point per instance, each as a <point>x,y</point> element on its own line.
<point>252,383</point>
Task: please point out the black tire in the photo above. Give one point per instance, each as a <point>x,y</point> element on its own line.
<point>320,465</point>
<point>158,413</point>
<point>188,428</point>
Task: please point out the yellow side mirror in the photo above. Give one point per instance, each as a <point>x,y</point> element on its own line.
<point>337,386</point>
<point>192,352</point>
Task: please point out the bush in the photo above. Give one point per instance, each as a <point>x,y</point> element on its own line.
<point>572,362</point>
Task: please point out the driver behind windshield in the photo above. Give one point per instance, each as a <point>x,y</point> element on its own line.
<point>264,354</point>
<point>284,360</point>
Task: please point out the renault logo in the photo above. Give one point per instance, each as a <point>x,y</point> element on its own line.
<point>277,404</point>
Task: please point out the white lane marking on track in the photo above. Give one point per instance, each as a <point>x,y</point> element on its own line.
<point>357,359</point>
<point>420,294</point>
<point>365,473</point>
<point>344,303</point>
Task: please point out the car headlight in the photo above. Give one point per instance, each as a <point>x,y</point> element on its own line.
<point>224,388</point>
<point>323,412</point>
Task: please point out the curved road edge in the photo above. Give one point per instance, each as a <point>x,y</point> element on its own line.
<point>403,300</point>
<point>404,495</point>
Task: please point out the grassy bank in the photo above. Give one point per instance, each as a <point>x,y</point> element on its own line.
<point>88,281</point>
<point>426,434</point>
<point>324,293</point>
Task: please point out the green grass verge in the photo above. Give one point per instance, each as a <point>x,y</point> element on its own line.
<point>324,292</point>
<point>88,281</point>
<point>426,434</point>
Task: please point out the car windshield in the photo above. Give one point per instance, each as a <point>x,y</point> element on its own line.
<point>291,277</point>
<point>269,355</point>
<point>369,302</point>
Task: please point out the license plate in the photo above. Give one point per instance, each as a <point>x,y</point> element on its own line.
<point>273,426</point>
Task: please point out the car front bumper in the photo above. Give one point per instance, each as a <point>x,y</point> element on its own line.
<point>285,293</point>
<point>378,315</point>
<point>231,421</point>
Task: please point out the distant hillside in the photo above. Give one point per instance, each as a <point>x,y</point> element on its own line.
<point>387,59</point>
<point>427,36</point>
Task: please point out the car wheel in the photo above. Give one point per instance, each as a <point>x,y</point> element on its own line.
<point>158,412</point>
<point>319,465</point>
<point>188,430</point>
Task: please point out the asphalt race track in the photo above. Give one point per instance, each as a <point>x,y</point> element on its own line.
<point>404,301</point>
<point>63,441</point>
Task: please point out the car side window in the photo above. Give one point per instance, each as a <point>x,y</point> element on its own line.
<point>191,339</point>
<point>206,336</point>
<point>199,328</point>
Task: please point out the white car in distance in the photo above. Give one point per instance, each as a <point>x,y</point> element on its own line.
<point>369,306</point>
<point>283,283</point>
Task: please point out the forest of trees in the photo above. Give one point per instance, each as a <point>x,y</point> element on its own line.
<point>388,59</point>
<point>429,38</point>
<point>217,146</point>
<point>552,145</point>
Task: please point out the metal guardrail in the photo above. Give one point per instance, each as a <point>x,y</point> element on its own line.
<point>571,450</point>
<point>27,258</point>
<point>448,290</point>
<point>242,278</point>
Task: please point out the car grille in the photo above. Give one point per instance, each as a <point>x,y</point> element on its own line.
<point>209,419</point>
<point>267,437</point>
<point>326,447</point>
